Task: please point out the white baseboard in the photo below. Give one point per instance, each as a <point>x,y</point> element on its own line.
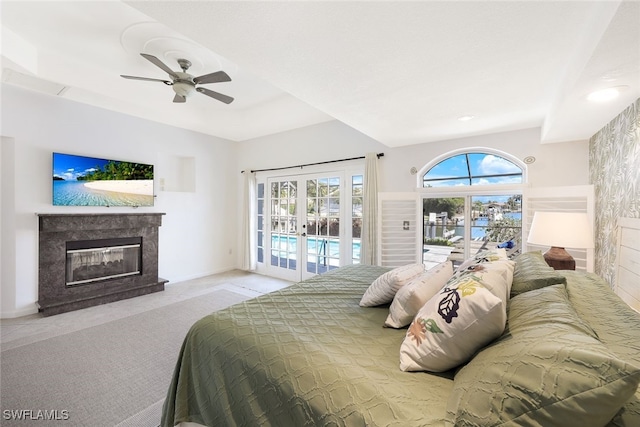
<point>19,313</point>
<point>201,274</point>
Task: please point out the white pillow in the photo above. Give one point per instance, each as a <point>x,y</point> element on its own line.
<point>447,331</point>
<point>384,288</point>
<point>412,296</point>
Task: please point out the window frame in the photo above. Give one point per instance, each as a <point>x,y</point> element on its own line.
<point>465,191</point>
<point>472,150</point>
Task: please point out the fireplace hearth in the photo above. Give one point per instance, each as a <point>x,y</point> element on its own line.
<point>91,259</point>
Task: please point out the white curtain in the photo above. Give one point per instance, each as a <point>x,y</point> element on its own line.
<point>369,248</point>
<point>248,245</point>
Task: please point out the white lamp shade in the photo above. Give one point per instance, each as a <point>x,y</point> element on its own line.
<point>561,229</point>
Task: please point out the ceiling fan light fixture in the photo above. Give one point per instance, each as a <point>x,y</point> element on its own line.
<point>183,89</point>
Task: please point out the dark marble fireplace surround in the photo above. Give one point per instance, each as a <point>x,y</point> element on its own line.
<point>55,230</point>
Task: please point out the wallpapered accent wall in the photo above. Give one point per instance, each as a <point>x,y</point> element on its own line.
<point>614,170</point>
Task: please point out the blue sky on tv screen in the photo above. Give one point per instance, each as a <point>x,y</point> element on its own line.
<point>71,167</point>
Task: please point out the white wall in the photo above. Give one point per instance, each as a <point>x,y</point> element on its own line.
<point>317,143</point>
<point>555,165</point>
<point>204,218</point>
<point>198,230</point>
<point>7,225</point>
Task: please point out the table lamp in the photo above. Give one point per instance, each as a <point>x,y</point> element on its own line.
<point>561,230</point>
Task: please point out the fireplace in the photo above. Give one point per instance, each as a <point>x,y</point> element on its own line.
<point>91,259</point>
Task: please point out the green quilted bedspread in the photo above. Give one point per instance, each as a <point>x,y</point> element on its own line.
<point>307,355</point>
<point>615,323</point>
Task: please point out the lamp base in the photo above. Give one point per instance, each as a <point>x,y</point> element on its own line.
<point>559,259</point>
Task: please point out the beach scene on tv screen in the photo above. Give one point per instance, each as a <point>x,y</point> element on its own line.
<point>87,181</point>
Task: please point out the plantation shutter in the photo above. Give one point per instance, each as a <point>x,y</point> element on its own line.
<point>399,229</point>
<point>560,199</point>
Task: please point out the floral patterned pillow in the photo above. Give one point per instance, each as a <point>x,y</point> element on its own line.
<point>481,257</point>
<point>497,276</point>
<point>458,321</point>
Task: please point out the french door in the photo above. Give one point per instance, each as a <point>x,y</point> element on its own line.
<point>304,225</point>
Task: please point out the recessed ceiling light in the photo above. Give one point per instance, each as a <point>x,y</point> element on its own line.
<point>466,118</point>
<point>605,95</point>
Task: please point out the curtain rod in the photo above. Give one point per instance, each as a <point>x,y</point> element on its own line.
<point>313,164</point>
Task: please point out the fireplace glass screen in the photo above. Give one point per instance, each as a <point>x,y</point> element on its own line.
<point>95,260</point>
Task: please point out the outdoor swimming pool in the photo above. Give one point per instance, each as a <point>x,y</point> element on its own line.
<point>323,253</point>
<point>324,246</point>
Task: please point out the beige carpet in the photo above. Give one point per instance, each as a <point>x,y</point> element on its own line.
<point>112,374</point>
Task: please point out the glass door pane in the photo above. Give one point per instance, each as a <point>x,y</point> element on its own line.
<point>284,224</point>
<point>357,198</point>
<point>322,250</point>
<point>260,223</point>
<point>496,223</point>
<point>443,231</point>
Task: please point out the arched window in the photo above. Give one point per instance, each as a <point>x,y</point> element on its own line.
<point>471,201</point>
<point>472,168</point>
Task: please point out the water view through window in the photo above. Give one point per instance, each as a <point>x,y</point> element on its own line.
<point>457,227</point>
<point>490,222</point>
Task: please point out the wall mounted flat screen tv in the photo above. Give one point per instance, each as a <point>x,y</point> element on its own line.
<point>89,181</point>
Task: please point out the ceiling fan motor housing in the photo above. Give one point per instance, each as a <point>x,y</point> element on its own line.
<point>184,64</point>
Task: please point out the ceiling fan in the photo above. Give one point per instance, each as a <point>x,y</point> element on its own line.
<point>183,83</point>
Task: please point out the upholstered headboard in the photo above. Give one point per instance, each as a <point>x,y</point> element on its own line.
<point>627,284</point>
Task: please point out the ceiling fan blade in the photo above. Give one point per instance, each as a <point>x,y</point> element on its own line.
<point>179,98</point>
<point>220,97</point>
<point>167,82</point>
<point>217,77</point>
<point>159,64</point>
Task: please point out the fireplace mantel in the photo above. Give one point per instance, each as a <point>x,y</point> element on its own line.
<point>56,230</point>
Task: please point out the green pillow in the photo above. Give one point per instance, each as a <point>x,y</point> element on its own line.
<point>547,369</point>
<point>533,272</point>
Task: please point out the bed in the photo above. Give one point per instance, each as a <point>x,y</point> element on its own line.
<point>312,355</point>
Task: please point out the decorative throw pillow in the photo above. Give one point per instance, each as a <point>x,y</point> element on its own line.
<point>384,288</point>
<point>454,324</point>
<point>533,272</point>
<point>480,258</point>
<point>412,296</point>
<point>548,369</point>
<point>497,276</point>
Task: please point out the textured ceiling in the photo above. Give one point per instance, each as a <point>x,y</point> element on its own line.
<point>399,72</point>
